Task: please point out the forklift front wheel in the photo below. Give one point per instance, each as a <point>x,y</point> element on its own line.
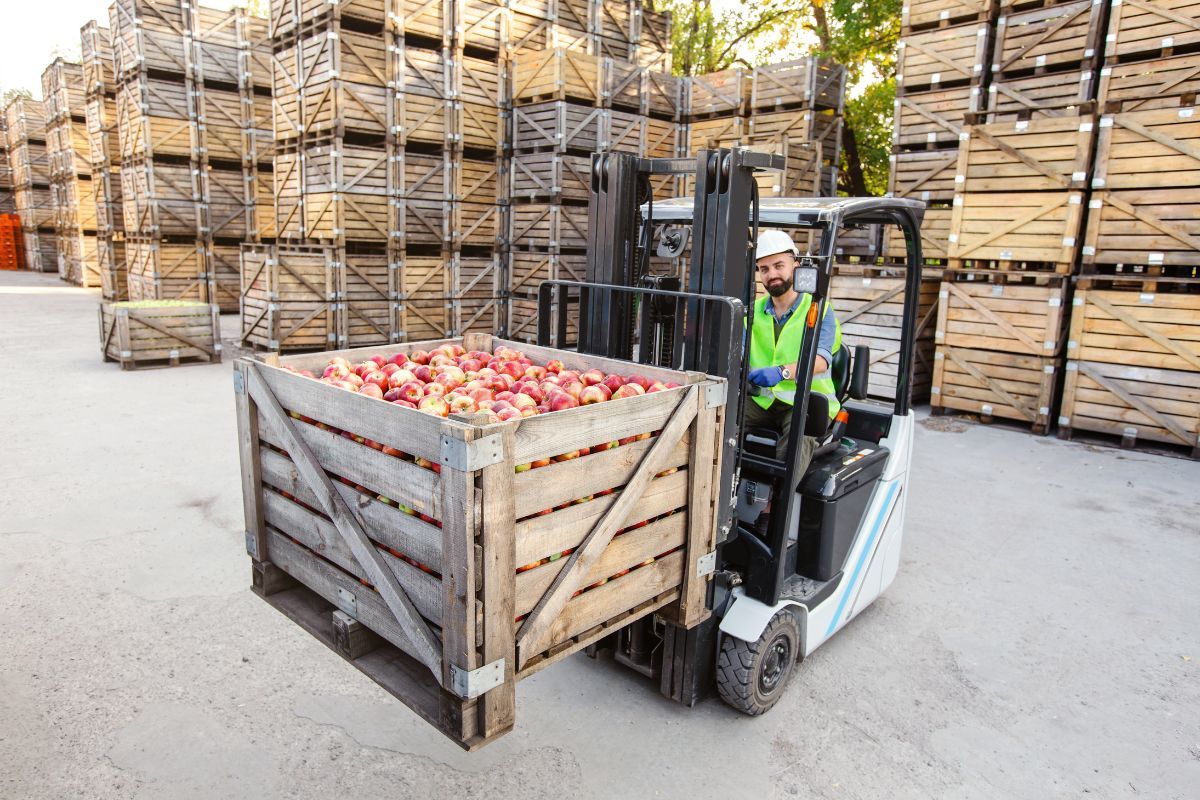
<point>751,675</point>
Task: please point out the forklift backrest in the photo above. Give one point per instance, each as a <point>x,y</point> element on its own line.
<point>841,372</point>
<point>860,380</point>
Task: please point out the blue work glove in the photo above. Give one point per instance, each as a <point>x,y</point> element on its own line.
<point>766,376</point>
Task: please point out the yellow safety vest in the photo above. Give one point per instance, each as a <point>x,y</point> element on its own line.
<point>765,351</point>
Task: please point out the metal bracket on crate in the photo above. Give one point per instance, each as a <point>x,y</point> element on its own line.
<point>470,456</point>
<point>715,394</point>
<point>252,545</point>
<point>347,602</point>
<point>239,382</point>
<point>474,682</point>
<point>706,564</point>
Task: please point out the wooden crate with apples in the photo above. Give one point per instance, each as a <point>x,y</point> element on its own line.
<point>157,333</point>
<point>449,557</point>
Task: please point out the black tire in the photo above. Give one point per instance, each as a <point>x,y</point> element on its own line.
<point>751,676</point>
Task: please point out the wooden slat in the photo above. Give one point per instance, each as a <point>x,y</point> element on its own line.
<point>498,542</point>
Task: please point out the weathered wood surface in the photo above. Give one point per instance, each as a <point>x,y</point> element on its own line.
<point>994,384</point>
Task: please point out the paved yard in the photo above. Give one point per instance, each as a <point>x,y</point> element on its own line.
<point>1041,641</point>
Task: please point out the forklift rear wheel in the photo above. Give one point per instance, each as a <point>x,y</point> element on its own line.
<point>751,675</point>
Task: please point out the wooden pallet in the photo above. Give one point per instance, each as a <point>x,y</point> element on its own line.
<point>1154,228</point>
<point>1030,230</point>
<point>1065,94</point>
<point>942,58</point>
<point>871,311</point>
<point>917,15</point>
<point>1152,28</point>
<point>350,551</point>
<point>1056,38</point>
<point>810,82</point>
<point>1135,403</point>
<point>1027,320</point>
<point>539,76</point>
<point>717,94</point>
<point>139,337</point>
<point>1041,155</point>
<point>995,385</point>
<point>549,227</point>
<point>932,120</point>
<point>1171,82</point>
<point>1136,329</point>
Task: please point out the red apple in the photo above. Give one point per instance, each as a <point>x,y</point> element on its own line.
<point>673,385</point>
<point>435,390</point>
<point>479,394</point>
<point>377,378</point>
<point>423,373</point>
<point>573,388</point>
<point>534,391</point>
<point>628,390</point>
<point>535,372</point>
<point>389,369</point>
<point>379,360</point>
<point>462,405</point>
<point>400,377</point>
<point>524,401</point>
<point>371,390</point>
<point>640,380</point>
<point>354,380</point>
<point>404,403</point>
<point>419,356</point>
<point>566,456</point>
<point>364,368</point>
<point>392,395</point>
<point>399,359</point>
<point>505,414</point>
<point>412,391</point>
<point>434,404</point>
<point>613,382</point>
<point>541,462</point>
<point>469,365</point>
<point>512,368</point>
<point>591,377</point>
<point>657,386</point>
<point>561,401</point>
<point>567,375</point>
<point>592,394</point>
<point>506,396</point>
<point>554,365</point>
<point>440,360</point>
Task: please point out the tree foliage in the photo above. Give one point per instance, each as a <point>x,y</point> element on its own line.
<point>860,34</point>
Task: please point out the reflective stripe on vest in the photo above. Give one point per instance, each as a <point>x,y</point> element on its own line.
<point>765,351</point>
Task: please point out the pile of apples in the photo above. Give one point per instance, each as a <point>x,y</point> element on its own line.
<point>504,385</point>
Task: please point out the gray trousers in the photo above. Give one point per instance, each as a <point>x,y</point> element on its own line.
<point>778,416</point>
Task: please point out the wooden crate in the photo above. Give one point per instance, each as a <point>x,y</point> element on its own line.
<point>110,256</point>
<point>1064,94</point>
<point>148,35</point>
<point>810,82</point>
<point>1041,155</point>
<point>1027,230</point>
<point>723,93</point>
<point>549,226</point>
<point>715,132</point>
<point>622,130</point>
<point>1150,28</point>
<point>557,126</point>
<point>1143,211</point>
<point>289,298</point>
<point>870,309</point>
<point>372,552</point>
<point>557,74</point>
<point>933,120</point>
<point>166,270</point>
<point>663,95</point>
<point>424,120</point>
<point>662,138</point>
<point>550,176</point>
<point>523,317</point>
<point>138,335</point>
<point>1009,318</point>
<point>346,192</point>
<point>365,315</point>
<point>526,270</point>
<point>801,175</point>
<point>478,181</point>
<point>477,225</point>
<point>1133,402</point>
<point>1054,38</point>
<point>344,78</point>
<point>814,126</point>
<point>478,126</point>
<point>154,119</point>
<point>1138,329</point>
<point>935,237</point>
<point>927,176</point>
<point>623,85</point>
<point>994,384</point>
<point>97,58</point>
<point>942,58</point>
<point>918,15</point>
<point>1165,83</point>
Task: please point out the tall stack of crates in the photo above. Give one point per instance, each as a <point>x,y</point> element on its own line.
<point>193,103</point>
<point>26,131</point>
<point>1133,350</point>
<point>104,152</point>
<point>387,189</point>
<point>69,155</point>
<point>584,75</point>
<point>8,205</point>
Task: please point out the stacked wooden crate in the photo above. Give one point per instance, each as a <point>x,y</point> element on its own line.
<point>1134,344</point>
<point>69,156</point>
<point>585,75</point>
<point>389,199</point>
<point>193,102</point>
<point>26,132</point>
<point>104,151</point>
<point>941,78</point>
<point>8,204</point>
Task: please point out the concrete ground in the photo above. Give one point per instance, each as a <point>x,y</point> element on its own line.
<point>1041,641</point>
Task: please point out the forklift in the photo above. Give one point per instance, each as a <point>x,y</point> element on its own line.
<point>831,542</point>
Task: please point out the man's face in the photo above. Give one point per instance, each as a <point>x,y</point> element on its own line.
<point>775,273</point>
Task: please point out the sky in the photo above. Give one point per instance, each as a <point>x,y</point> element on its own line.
<point>33,32</point>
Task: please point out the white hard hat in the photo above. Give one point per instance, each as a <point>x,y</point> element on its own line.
<point>772,241</point>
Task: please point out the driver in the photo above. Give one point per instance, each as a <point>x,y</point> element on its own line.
<point>776,335</point>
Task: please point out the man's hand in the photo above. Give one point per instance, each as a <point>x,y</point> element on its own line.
<point>820,366</point>
<point>766,376</point>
